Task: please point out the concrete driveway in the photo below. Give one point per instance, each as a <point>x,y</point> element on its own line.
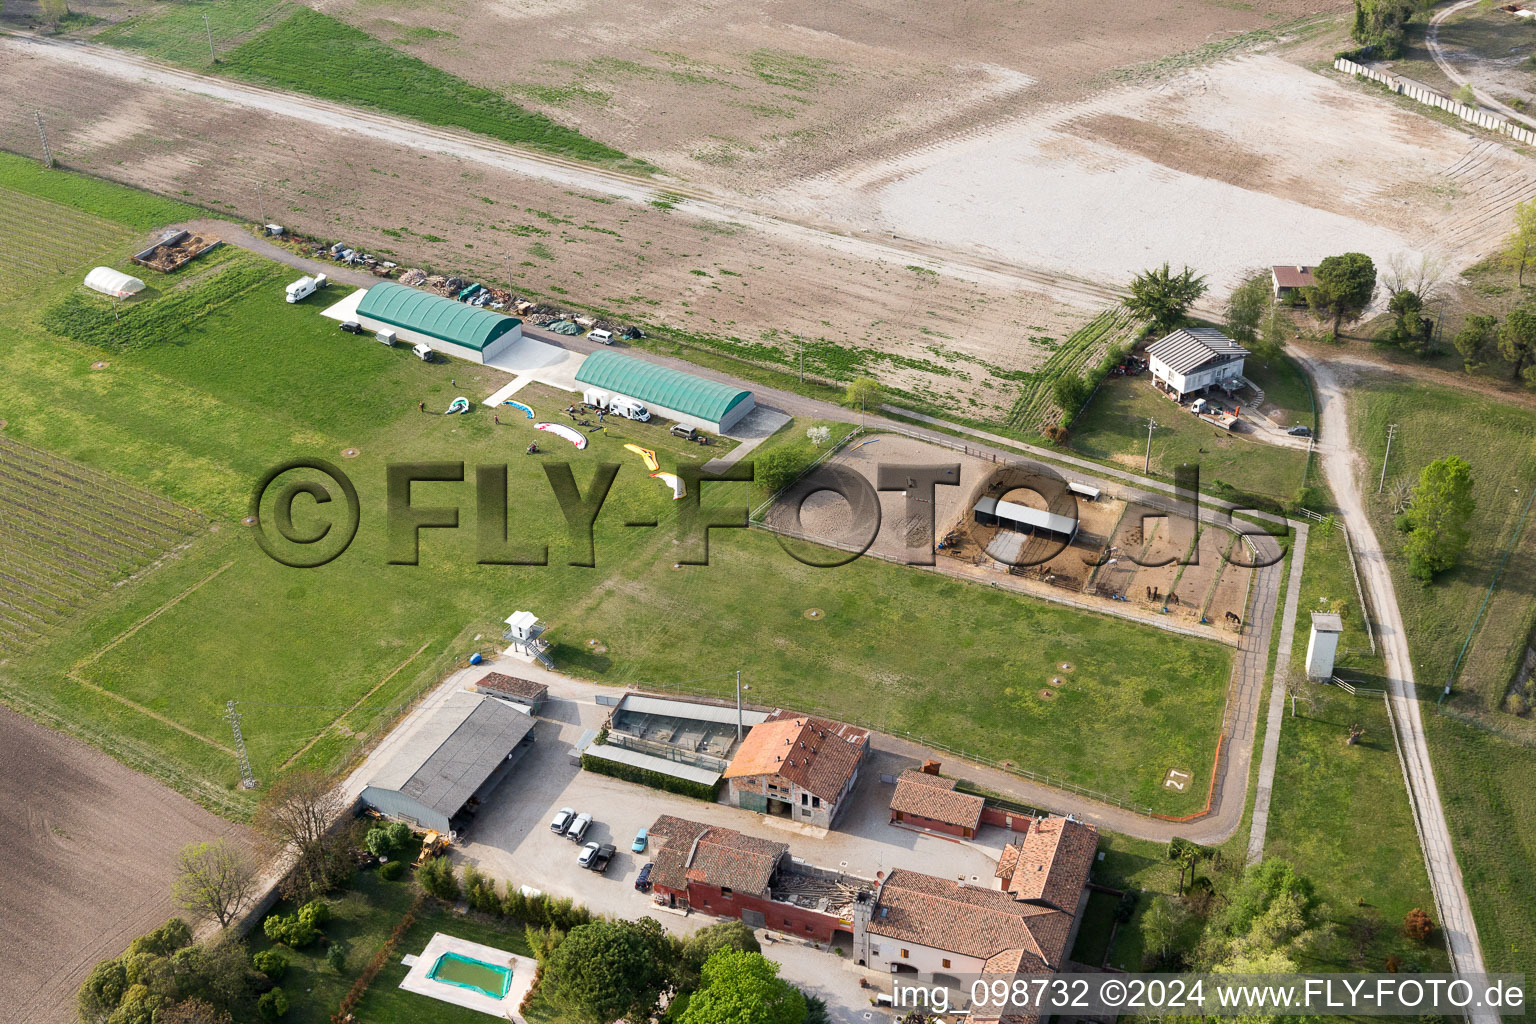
<point>510,840</point>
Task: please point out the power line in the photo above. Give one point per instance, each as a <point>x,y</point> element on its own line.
<point>42,133</point>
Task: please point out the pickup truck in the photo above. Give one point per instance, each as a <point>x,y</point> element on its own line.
<point>599,861</point>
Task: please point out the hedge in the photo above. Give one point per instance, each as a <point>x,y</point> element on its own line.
<point>646,777</point>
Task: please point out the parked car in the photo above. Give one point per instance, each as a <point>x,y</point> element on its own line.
<point>1300,431</point>
<point>683,431</point>
<point>601,336</point>
<point>643,880</point>
<point>604,856</point>
<point>351,327</point>
<point>578,827</point>
<point>641,838</point>
<point>423,352</point>
<point>588,855</point>
<point>562,820</point>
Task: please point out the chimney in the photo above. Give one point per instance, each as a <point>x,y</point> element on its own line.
<point>930,767</point>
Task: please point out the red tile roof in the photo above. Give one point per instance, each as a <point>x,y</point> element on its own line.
<point>495,682</point>
<point>964,919</point>
<point>815,754</point>
<point>1052,862</point>
<point>713,856</point>
<point>935,798</point>
<point>1293,277</point>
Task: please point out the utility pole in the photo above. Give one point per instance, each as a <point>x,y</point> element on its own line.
<point>738,705</point>
<point>247,777</point>
<point>801,342</point>
<point>261,207</point>
<point>42,133</point>
<point>213,58</point>
<point>1391,433</point>
<point>1146,466</point>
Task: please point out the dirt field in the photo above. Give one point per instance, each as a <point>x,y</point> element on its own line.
<point>92,847</point>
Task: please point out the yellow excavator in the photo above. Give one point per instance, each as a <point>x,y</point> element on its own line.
<point>432,844</point>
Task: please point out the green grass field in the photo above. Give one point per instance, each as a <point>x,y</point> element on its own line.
<point>289,46</point>
<point>1113,429</point>
<point>319,659</point>
<point>1484,778</point>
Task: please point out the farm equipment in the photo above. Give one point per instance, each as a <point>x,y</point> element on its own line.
<point>432,844</point>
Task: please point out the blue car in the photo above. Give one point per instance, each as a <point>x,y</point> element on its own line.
<point>641,838</point>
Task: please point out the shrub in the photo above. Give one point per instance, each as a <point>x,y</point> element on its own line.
<point>437,878</point>
<point>289,930</point>
<point>391,870</point>
<point>315,913</point>
<point>480,892</point>
<point>336,957</point>
<point>399,834</point>
<point>1056,433</point>
<point>273,1004</point>
<point>1417,925</point>
<point>379,842</point>
<point>271,962</point>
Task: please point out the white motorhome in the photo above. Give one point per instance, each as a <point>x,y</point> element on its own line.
<point>304,287</point>
<point>629,407</point>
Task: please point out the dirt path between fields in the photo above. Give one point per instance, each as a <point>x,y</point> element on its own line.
<point>1432,40</point>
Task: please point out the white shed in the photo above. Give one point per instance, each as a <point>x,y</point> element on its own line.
<point>113,282</point>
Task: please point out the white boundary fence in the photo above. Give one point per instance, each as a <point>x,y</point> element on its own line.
<point>1414,91</point>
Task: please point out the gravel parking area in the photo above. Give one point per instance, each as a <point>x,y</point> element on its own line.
<point>510,839</point>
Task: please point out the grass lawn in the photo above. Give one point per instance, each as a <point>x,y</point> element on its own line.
<point>1496,439</point>
<point>288,46</point>
<point>197,407</point>
<point>178,33</point>
<point>1484,779</point>
<point>1113,429</point>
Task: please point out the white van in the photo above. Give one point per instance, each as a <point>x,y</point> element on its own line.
<point>423,351</point>
<point>578,828</point>
<point>601,337</point>
<point>629,407</point>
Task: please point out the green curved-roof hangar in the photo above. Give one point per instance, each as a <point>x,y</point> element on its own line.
<point>434,316</point>
<point>658,385</point>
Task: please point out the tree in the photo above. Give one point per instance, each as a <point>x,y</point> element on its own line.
<point>1417,925</point>
<point>1383,24</point>
<point>1160,927</point>
<point>437,877</point>
<point>863,393</point>
<point>706,942</point>
<point>193,1011</point>
<point>1438,517</point>
<point>1421,274</point>
<point>1520,247</point>
<point>781,467</point>
<point>1477,341</point>
<point>740,987</point>
<point>214,880</point>
<point>1187,854</point>
<point>295,817</point>
<point>606,970</point>
<point>1344,286</point>
<point>1164,297</point>
<point>1246,308</point>
<point>1517,342</point>
<point>818,436</point>
<point>1070,392</point>
<point>1410,329</point>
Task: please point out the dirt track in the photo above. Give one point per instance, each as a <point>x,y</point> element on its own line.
<point>92,849</point>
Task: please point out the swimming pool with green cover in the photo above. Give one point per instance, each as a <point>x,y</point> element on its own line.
<point>466,972</point>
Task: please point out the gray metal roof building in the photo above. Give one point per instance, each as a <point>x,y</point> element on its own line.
<point>451,756</point>
<point>1192,347</point>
